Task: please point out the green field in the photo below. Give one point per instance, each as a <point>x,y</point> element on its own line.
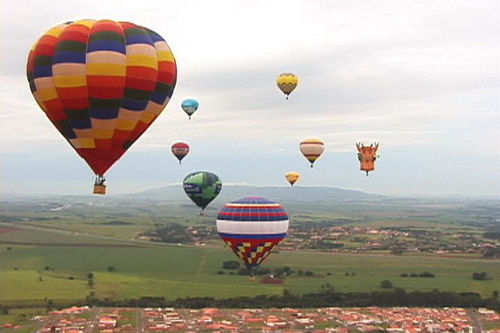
<point>182,271</point>
<point>47,252</point>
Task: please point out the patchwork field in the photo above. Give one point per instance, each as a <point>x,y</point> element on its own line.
<point>48,248</point>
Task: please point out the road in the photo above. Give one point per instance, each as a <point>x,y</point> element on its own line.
<point>475,321</point>
<point>138,321</point>
<point>94,327</point>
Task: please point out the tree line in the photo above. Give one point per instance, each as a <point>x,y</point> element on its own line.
<point>326,298</point>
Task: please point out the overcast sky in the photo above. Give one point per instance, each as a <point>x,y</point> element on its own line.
<point>420,77</point>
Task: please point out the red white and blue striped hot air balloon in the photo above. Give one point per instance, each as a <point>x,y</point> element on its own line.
<point>252,227</point>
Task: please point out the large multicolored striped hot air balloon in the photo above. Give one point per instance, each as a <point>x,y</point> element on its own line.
<point>190,105</point>
<point>102,84</point>
<point>287,82</point>
<point>252,227</point>
<point>367,155</point>
<point>202,187</point>
<point>312,149</point>
<point>180,150</point>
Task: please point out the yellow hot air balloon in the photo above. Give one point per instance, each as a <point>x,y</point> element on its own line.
<point>287,82</point>
<point>312,149</point>
<point>292,177</point>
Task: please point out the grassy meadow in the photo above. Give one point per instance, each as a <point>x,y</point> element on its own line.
<point>37,273</point>
<point>47,248</point>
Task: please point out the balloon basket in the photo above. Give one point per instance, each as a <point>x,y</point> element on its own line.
<point>100,189</point>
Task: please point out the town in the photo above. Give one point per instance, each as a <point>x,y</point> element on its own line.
<point>341,320</point>
<point>350,239</point>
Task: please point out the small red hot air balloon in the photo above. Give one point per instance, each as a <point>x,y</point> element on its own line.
<point>180,150</point>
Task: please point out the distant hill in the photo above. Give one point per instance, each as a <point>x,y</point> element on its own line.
<point>276,193</point>
<point>299,197</point>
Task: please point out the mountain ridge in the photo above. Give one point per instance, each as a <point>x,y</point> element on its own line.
<point>232,192</point>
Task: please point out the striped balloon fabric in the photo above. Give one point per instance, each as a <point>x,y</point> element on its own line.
<point>252,227</point>
<point>102,84</point>
<point>312,149</point>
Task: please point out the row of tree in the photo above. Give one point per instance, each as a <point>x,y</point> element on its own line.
<point>326,298</point>
<point>422,275</point>
<point>278,272</point>
<point>480,276</point>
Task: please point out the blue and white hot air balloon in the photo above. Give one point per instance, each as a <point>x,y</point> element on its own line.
<point>190,105</point>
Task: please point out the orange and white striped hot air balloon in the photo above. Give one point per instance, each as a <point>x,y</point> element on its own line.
<point>312,149</point>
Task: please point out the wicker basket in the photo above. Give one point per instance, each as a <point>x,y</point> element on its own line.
<point>99,189</point>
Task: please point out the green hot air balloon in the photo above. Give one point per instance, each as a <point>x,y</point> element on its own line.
<point>202,187</point>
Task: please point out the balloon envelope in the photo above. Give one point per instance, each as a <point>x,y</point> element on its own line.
<point>367,155</point>
<point>312,149</point>
<point>287,82</point>
<point>180,150</point>
<point>101,84</point>
<point>202,187</point>
<point>252,227</point>
<point>190,105</point>
<point>292,177</point>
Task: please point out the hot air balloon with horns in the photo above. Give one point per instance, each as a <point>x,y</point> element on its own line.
<point>180,150</point>
<point>101,84</point>
<point>252,227</point>
<point>287,82</point>
<point>367,155</point>
<point>312,149</point>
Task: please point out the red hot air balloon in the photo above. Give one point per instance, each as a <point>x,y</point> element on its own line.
<point>180,150</point>
<point>101,84</point>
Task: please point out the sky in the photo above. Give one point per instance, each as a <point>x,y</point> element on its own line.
<point>419,77</point>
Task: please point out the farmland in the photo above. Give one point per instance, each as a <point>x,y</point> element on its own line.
<point>182,271</point>
<point>48,248</point>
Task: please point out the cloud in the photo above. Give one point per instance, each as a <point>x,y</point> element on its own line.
<point>411,75</point>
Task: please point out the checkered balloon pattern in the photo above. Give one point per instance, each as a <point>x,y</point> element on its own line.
<point>252,227</point>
